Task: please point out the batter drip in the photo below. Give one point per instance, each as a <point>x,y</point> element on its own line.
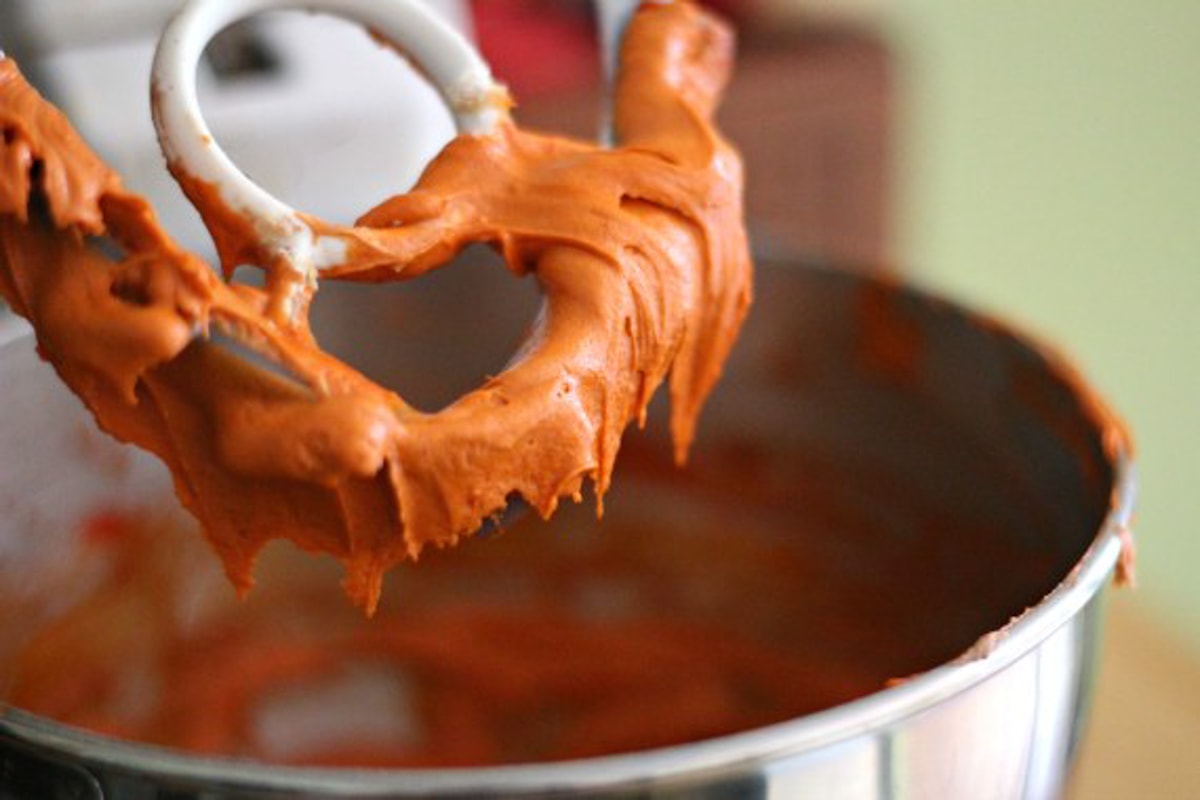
<point>640,252</point>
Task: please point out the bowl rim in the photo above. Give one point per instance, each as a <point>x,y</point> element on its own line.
<point>994,652</point>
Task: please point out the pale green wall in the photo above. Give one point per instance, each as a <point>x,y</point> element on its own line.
<point>1050,170</point>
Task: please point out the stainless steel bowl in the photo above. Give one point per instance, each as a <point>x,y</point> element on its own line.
<point>935,413</point>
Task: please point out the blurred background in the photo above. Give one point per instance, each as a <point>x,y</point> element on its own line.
<point>1047,169</point>
<point>1036,160</point>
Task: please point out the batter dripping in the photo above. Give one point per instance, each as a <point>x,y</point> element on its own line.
<point>640,252</point>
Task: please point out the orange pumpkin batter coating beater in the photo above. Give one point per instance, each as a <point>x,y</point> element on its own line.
<point>640,251</point>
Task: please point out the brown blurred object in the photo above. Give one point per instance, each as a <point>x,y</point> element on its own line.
<point>810,109</point>
<point>811,116</point>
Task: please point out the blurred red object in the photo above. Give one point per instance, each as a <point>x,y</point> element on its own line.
<point>547,47</point>
<point>538,47</point>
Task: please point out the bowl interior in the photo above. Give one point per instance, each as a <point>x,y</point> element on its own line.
<point>880,480</point>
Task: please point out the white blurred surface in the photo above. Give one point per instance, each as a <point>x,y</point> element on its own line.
<point>340,125</point>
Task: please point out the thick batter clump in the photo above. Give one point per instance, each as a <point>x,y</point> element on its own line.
<point>640,251</point>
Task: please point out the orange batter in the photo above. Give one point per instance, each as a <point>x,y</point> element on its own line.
<point>486,682</point>
<point>640,251</point>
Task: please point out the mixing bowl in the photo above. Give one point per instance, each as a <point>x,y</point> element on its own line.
<point>911,513</point>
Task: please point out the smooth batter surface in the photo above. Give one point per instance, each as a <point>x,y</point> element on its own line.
<point>640,251</point>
